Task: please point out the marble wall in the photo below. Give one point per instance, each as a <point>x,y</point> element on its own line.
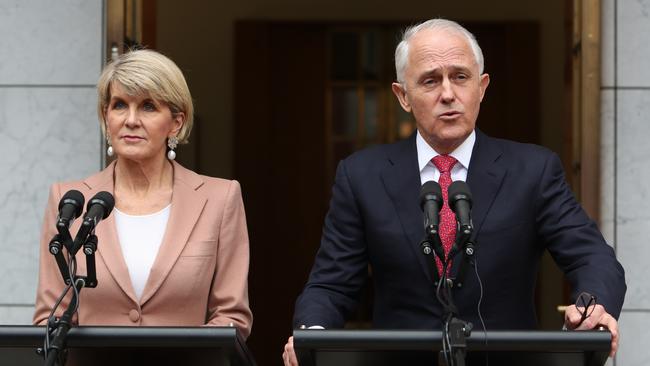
<point>48,132</point>
<point>625,158</point>
<point>50,58</point>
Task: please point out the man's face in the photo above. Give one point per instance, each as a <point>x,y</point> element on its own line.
<point>442,87</point>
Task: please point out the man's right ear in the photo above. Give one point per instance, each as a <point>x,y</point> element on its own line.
<point>400,93</point>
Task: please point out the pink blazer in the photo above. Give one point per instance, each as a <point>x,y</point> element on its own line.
<point>199,276</point>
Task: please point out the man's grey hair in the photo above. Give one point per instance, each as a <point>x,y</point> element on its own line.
<point>402,50</point>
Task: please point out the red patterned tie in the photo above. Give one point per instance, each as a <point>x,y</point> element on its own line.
<point>447,228</point>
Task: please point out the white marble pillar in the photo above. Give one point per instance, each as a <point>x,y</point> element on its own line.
<point>626,163</point>
<point>50,58</point>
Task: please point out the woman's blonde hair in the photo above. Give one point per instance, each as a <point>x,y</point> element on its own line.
<point>147,72</point>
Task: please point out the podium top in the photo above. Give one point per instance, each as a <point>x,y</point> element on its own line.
<point>128,345</point>
<point>127,337</point>
<point>498,340</point>
<point>420,347</point>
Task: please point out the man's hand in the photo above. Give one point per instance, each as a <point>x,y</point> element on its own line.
<point>289,354</point>
<point>599,317</point>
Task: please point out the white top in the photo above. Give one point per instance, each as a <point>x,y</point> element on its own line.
<point>140,238</point>
<point>428,170</point>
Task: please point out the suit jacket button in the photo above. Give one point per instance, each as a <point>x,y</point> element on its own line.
<point>134,315</point>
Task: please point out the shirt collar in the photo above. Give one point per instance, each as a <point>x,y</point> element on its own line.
<point>463,153</point>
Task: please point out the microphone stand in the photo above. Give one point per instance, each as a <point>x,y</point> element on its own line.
<point>454,330</point>
<point>58,328</point>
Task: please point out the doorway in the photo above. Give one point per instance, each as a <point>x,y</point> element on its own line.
<point>323,91</point>
<point>287,113</point>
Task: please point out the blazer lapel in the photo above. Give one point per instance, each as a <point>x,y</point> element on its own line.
<point>187,205</point>
<point>109,246</point>
<point>401,179</point>
<point>484,177</point>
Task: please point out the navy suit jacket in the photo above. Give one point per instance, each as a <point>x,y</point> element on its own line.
<point>522,206</point>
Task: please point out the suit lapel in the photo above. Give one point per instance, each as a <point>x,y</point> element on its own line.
<point>187,205</point>
<point>401,178</point>
<point>484,177</point>
<point>402,181</point>
<point>109,245</point>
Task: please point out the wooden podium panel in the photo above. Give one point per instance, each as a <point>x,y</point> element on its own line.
<point>193,346</point>
<point>413,347</point>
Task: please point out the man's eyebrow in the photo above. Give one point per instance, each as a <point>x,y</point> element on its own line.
<point>463,68</point>
<point>438,69</point>
<point>429,72</point>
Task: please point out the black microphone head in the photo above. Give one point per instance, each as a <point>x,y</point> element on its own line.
<point>74,198</point>
<point>430,191</point>
<point>459,190</point>
<point>105,199</point>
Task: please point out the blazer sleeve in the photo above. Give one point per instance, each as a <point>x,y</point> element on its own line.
<point>228,301</point>
<point>575,242</point>
<point>341,265</point>
<point>50,283</point>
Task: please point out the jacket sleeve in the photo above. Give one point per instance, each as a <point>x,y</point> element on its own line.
<point>228,300</point>
<point>341,265</point>
<point>575,242</point>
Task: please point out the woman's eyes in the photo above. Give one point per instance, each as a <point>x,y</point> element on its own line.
<point>149,106</point>
<point>118,104</point>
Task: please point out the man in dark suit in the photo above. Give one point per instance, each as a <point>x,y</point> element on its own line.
<point>521,207</point>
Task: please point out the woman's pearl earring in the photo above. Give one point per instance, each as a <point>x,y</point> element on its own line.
<point>109,149</point>
<point>172,142</point>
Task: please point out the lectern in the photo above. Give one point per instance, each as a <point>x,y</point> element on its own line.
<point>413,347</point>
<point>192,346</point>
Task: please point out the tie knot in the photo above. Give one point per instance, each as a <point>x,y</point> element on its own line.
<point>444,163</point>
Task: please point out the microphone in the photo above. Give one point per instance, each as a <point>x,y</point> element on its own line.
<point>99,207</point>
<point>70,207</point>
<point>460,201</point>
<point>431,203</point>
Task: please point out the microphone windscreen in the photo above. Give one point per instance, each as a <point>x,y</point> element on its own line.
<point>459,190</point>
<point>74,198</point>
<point>105,199</point>
<point>430,191</point>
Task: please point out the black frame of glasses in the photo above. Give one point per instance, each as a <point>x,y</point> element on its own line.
<point>585,304</point>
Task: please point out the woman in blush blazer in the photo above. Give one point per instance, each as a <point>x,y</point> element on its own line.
<point>174,251</point>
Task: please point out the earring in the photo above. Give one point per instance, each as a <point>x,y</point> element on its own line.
<point>172,142</point>
<point>109,149</point>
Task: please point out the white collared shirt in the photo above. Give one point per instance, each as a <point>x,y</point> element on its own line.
<point>428,171</point>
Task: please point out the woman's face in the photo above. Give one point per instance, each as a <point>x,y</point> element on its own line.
<point>139,126</point>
